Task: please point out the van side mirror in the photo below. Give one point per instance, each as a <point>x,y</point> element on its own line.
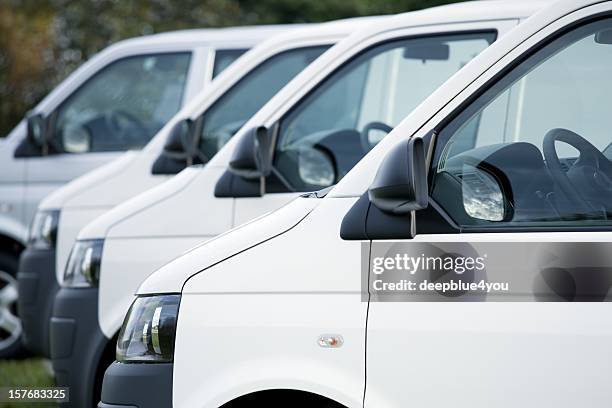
<point>249,166</point>
<point>179,151</point>
<point>400,185</point>
<point>35,143</point>
<point>180,141</point>
<point>36,133</point>
<point>252,158</point>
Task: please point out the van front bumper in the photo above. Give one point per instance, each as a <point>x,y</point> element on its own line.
<point>37,286</point>
<point>137,385</point>
<point>77,344</point>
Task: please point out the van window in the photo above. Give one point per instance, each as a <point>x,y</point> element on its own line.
<point>534,149</point>
<point>227,115</point>
<point>123,105</point>
<point>334,126</point>
<point>224,58</point>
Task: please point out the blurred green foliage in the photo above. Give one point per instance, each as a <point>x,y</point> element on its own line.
<point>42,41</point>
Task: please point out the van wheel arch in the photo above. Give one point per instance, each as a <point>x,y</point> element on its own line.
<point>106,358</point>
<point>282,398</point>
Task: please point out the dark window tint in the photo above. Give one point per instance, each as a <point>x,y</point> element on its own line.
<point>227,115</point>
<point>123,105</point>
<point>224,58</point>
<point>323,137</point>
<point>534,148</point>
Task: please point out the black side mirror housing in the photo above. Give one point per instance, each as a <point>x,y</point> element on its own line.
<point>36,142</point>
<point>37,129</point>
<point>180,140</point>
<point>252,157</point>
<point>400,185</point>
<point>179,151</point>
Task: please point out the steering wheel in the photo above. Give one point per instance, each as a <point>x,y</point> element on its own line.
<point>363,137</point>
<point>590,161</point>
<point>134,130</point>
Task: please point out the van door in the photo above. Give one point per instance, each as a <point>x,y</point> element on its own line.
<point>119,108</point>
<point>326,133</point>
<point>474,310</point>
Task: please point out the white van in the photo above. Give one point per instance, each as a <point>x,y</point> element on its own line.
<point>436,273</point>
<point>194,136</point>
<point>114,102</point>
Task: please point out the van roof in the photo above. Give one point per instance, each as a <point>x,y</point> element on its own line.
<point>255,34</point>
<point>482,10</point>
<point>209,36</point>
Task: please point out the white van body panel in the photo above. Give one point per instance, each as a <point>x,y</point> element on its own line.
<point>90,196</point>
<point>276,363</point>
<point>155,195</point>
<point>312,272</point>
<point>320,293</point>
<point>545,334</point>
<point>218,249</point>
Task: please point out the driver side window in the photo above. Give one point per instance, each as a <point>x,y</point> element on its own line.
<point>335,125</point>
<point>231,111</point>
<point>122,106</point>
<point>534,148</point>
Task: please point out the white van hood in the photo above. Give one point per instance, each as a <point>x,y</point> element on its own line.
<point>100,187</point>
<point>100,227</point>
<point>68,194</point>
<point>171,277</point>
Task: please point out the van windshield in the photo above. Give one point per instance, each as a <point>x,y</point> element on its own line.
<point>334,126</point>
<point>227,115</point>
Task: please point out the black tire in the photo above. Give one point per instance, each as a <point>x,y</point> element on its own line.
<point>14,348</point>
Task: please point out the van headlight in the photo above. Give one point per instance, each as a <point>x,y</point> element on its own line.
<point>83,268</point>
<point>43,231</point>
<point>149,329</point>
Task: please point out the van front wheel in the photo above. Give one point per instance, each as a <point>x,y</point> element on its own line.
<point>11,345</point>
